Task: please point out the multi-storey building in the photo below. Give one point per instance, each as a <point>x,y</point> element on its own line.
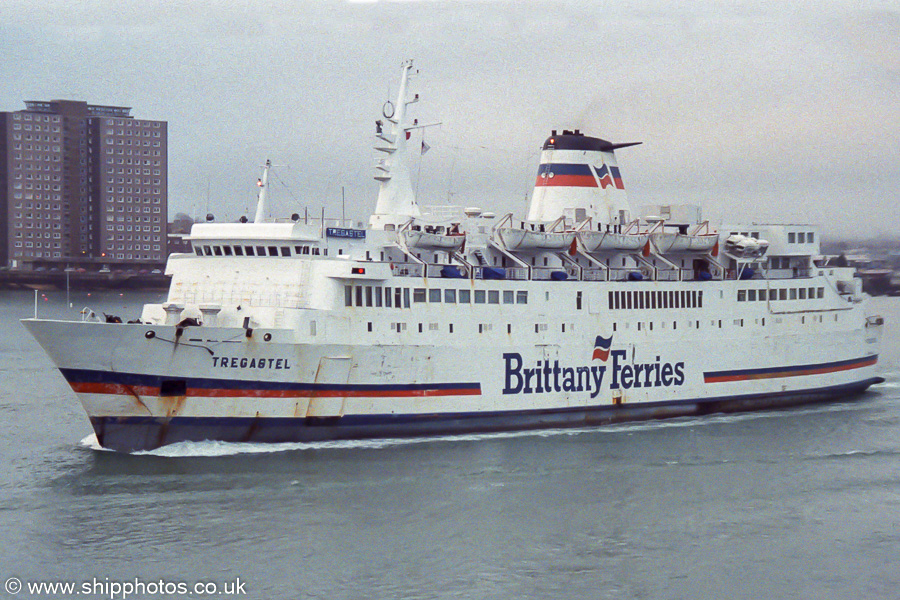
<point>81,183</point>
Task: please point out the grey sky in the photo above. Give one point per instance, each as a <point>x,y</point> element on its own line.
<point>751,109</point>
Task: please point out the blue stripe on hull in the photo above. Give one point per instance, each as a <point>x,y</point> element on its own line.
<point>129,434</point>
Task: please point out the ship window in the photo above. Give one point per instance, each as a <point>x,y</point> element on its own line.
<point>348,295</point>
<point>217,250</point>
<point>207,250</point>
<point>751,295</point>
<point>628,300</point>
<point>199,251</point>
<point>754,235</point>
<point>387,296</point>
<point>449,296</point>
<point>700,299</point>
<point>480,296</point>
<point>451,327</point>
<point>397,299</point>
<point>312,328</point>
<point>227,250</point>
<point>614,327</point>
<point>248,250</point>
<point>801,237</point>
<point>522,297</point>
<point>378,297</point>
<point>260,250</point>
<point>369,326</point>
<point>742,295</point>
<point>285,251</point>
<point>639,326</point>
<point>653,298</point>
<point>782,294</point>
<point>239,250</point>
<point>509,328</point>
<point>493,296</point>
<point>809,237</point>
<point>803,293</point>
<point>315,251</point>
<point>508,296</point>
<point>639,301</point>
<point>792,237</point>
<point>298,250</point>
<point>434,295</point>
<point>405,298</point>
<point>812,293</point>
<point>465,296</point>
<point>578,300</point>
<point>359,297</point>
<point>610,300</point>
<point>821,292</point>
<point>420,328</point>
<point>793,293</point>
<point>419,295</point>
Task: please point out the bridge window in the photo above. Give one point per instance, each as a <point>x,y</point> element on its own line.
<point>521,297</point>
<point>260,250</point>
<point>199,251</point>
<point>239,250</point>
<point>493,296</point>
<point>248,250</point>
<point>387,297</point>
<point>217,250</point>
<point>465,296</point>
<point>348,295</point>
<point>419,295</point>
<point>227,250</point>
<point>480,296</point>
<point>508,296</point>
<point>434,295</point>
<point>450,297</point>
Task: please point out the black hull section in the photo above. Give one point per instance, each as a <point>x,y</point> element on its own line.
<point>130,434</point>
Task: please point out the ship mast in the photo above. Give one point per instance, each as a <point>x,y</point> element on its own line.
<point>263,183</point>
<point>396,200</point>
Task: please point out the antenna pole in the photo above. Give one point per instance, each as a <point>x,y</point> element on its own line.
<point>343,209</point>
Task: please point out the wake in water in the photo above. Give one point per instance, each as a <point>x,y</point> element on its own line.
<point>211,448</point>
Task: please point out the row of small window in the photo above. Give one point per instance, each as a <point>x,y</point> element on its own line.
<point>801,237</point>
<point>377,296</point>
<point>26,116</point>
<point>129,123</point>
<point>136,152</point>
<point>35,196</point>
<point>38,245</point>
<point>780,294</point>
<point>131,246</point>
<point>652,299</point>
<point>128,227</point>
<point>31,253</point>
<point>127,161</point>
<point>122,171</point>
<point>257,250</point>
<point>33,157</point>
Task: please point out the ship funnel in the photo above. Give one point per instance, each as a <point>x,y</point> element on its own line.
<point>578,177</point>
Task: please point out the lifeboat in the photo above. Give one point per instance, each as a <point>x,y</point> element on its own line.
<point>433,237</point>
<point>599,241</point>
<point>525,239</point>
<point>668,242</point>
<point>741,246</point>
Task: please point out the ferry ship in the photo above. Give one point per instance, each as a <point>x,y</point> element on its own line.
<point>452,320</point>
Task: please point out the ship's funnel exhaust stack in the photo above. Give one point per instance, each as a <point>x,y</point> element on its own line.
<point>578,177</point>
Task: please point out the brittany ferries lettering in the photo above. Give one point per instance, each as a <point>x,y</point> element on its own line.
<point>454,319</point>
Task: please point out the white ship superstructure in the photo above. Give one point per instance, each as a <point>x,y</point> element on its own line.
<point>443,321</point>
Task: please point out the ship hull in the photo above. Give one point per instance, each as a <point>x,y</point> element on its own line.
<point>219,384</point>
<point>130,434</point>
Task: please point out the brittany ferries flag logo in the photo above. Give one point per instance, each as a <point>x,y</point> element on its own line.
<point>609,176</point>
<point>601,348</point>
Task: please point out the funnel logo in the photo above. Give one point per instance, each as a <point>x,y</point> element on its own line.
<point>609,176</point>
<point>601,348</point>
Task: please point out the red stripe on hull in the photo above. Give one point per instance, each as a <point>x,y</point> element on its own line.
<point>779,374</point>
<point>127,390</point>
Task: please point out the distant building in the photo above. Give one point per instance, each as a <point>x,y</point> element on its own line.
<point>81,183</point>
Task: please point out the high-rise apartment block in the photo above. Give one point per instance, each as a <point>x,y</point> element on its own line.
<point>81,183</point>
